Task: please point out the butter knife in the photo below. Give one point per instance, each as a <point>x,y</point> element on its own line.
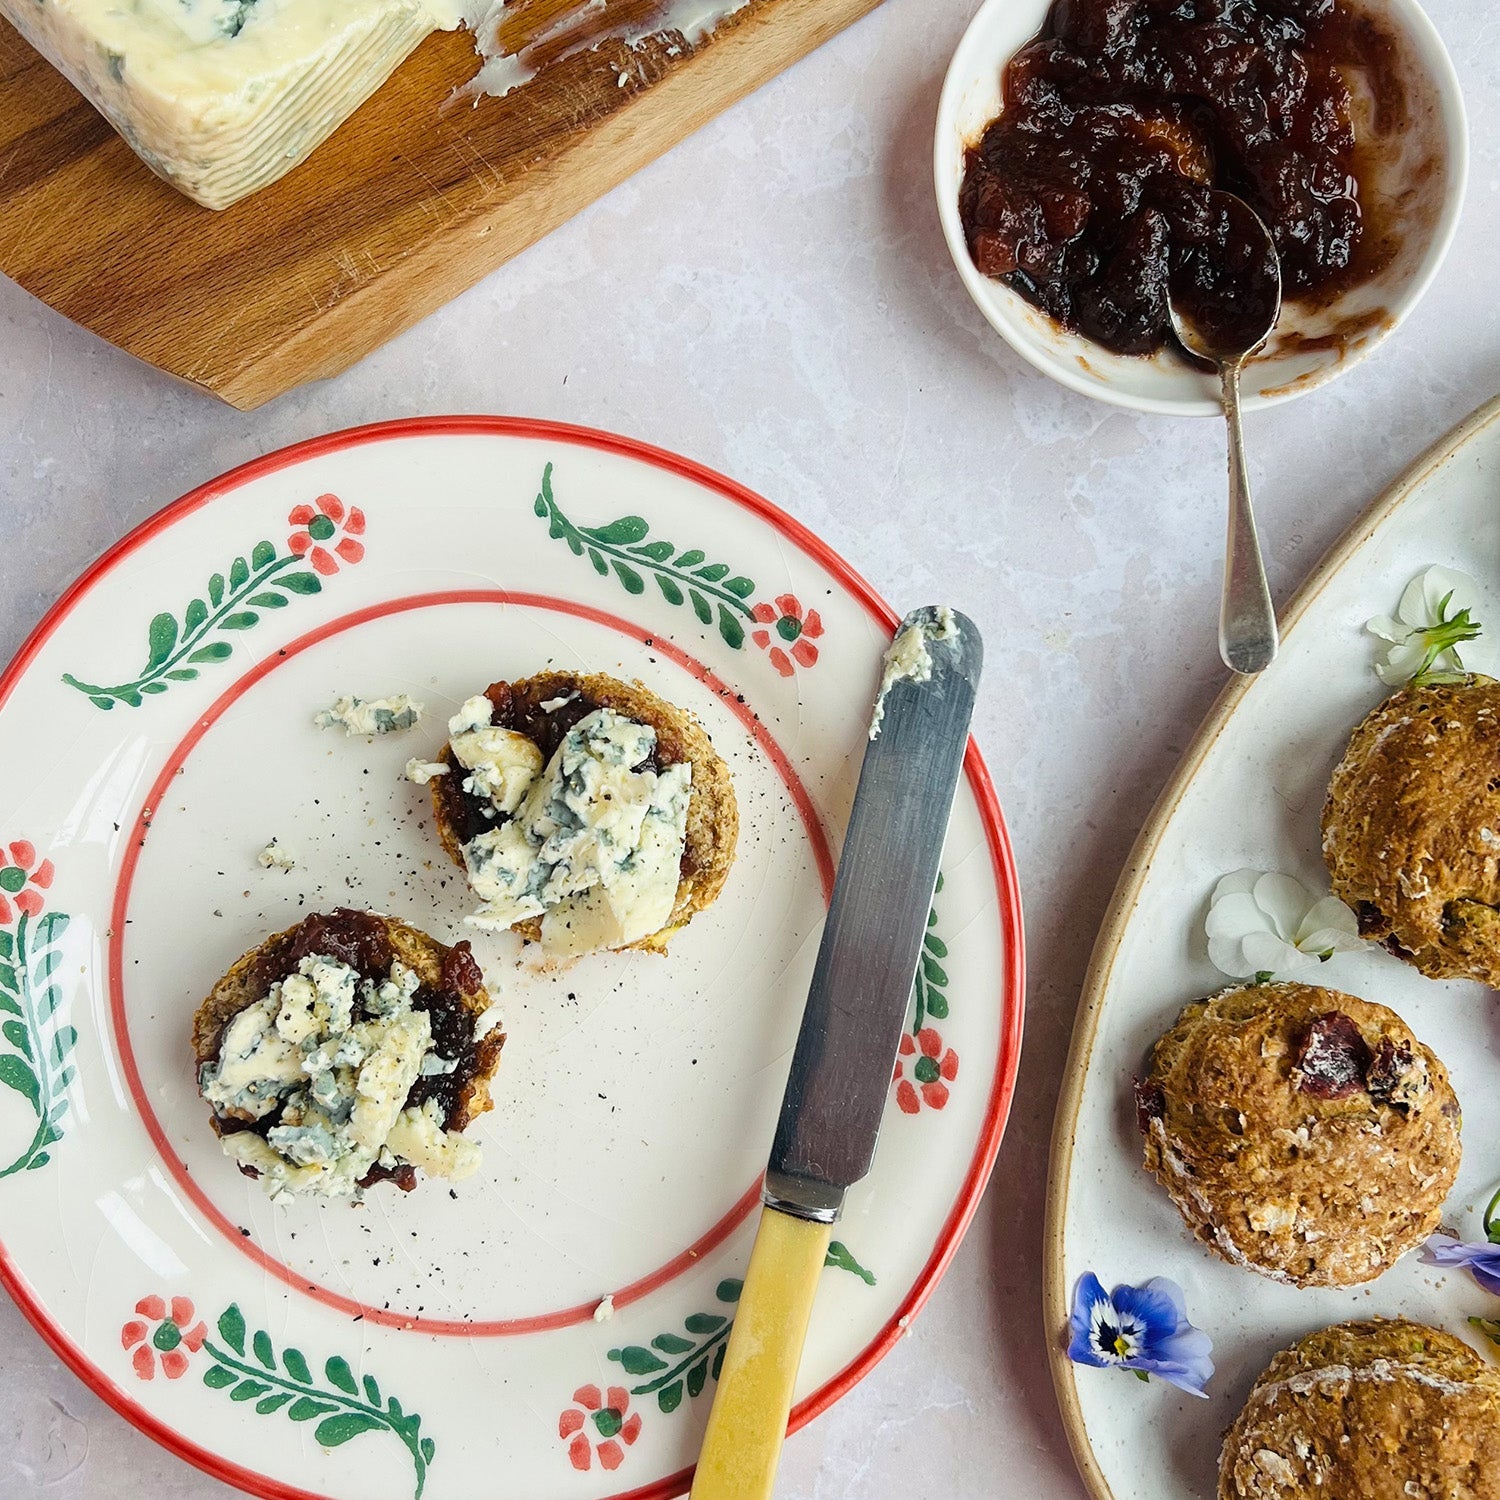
<point>846,1050</point>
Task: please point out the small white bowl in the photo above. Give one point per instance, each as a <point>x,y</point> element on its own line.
<point>1427,180</point>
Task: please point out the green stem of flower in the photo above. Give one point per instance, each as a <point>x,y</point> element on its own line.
<point>263,1376</point>
<point>1492,1219</point>
<point>634,560</point>
<point>191,640</point>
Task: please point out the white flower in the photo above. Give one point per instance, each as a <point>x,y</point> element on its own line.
<point>1261,923</point>
<point>1432,620</point>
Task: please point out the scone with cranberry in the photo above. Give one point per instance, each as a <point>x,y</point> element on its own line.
<point>1301,1132</point>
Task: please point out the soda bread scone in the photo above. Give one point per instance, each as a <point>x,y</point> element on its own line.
<point>1378,1410</point>
<point>1301,1132</point>
<point>348,1050</point>
<point>587,813</point>
<point>1411,828</point>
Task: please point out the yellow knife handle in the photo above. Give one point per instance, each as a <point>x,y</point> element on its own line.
<point>748,1422</point>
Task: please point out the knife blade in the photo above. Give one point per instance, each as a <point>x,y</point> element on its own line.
<point>851,1027</point>
<point>861,985</point>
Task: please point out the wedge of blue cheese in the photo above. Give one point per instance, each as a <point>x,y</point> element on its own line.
<point>221,97</point>
<point>587,843</point>
<point>337,1055</point>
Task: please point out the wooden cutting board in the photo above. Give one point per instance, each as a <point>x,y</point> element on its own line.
<point>403,208</point>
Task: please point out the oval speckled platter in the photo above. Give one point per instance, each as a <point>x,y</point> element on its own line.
<point>156,731</point>
<point>1249,793</point>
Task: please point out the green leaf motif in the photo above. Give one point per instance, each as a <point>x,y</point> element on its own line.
<point>162,637</point>
<point>634,583</point>
<point>343,1413</point>
<point>305,1409</point>
<point>697,1378</point>
<point>729,1289</point>
<point>626,548</point>
<point>638,1361</point>
<point>332,1431</point>
<point>841,1259</point>
<point>930,985</point>
<point>669,1398</point>
<point>621,533</point>
<point>233,604</point>
<point>15,1074</point>
<point>7,944</point>
<point>701,1323</point>
<point>232,1327</point>
<point>16,1033</point>
<point>670,1343</point>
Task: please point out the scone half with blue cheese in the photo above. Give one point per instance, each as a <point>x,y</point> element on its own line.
<point>348,1050</point>
<point>587,813</point>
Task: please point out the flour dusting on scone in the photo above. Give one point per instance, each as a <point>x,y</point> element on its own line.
<point>348,1050</point>
<point>1370,1410</point>
<point>587,813</point>
<point>1302,1133</point>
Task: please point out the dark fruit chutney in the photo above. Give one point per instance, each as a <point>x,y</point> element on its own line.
<point>1091,189</point>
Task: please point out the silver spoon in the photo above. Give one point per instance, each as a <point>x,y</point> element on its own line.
<point>1222,311</point>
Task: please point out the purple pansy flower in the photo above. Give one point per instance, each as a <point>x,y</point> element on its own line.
<point>1139,1328</point>
<point>1480,1258</point>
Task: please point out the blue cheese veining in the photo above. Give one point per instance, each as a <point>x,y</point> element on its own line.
<point>587,843</point>
<point>908,658</point>
<point>337,1055</point>
<point>370,715</point>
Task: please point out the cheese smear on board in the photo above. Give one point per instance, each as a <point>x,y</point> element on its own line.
<point>222,97</point>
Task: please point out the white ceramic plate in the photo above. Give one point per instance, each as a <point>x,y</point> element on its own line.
<point>1249,793</point>
<point>149,748</point>
<point>1425,178</point>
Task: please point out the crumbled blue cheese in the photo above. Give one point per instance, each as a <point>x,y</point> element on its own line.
<point>423,771</point>
<point>277,856</point>
<point>339,1055</point>
<point>907,659</point>
<point>501,763</point>
<point>606,1308</point>
<point>594,847</point>
<point>370,716</point>
<point>418,1137</point>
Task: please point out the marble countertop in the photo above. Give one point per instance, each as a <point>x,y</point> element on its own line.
<point>774,299</point>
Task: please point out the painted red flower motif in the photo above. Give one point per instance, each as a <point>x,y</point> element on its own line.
<point>175,1336</point>
<point>789,624</point>
<point>932,1072</point>
<point>23,878</point>
<point>326,518</point>
<point>597,1425</point>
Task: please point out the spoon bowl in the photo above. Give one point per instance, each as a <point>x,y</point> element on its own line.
<point>1223,307</point>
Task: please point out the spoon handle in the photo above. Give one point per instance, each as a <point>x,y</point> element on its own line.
<point>1247,621</point>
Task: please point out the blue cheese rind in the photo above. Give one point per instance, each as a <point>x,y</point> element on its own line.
<point>338,1055</point>
<point>593,846</point>
<point>221,97</point>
